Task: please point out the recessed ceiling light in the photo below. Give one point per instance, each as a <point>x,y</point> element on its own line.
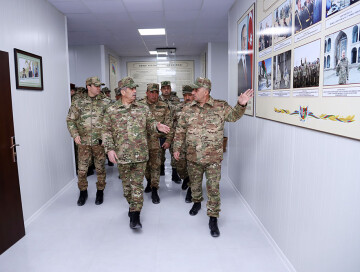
<point>158,53</point>
<point>153,52</point>
<point>152,31</point>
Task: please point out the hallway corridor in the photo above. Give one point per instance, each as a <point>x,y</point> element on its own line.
<point>93,238</point>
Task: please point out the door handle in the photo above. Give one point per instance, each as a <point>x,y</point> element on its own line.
<point>13,147</point>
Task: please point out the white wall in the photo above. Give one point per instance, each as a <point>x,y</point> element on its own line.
<point>303,185</point>
<point>86,61</point>
<point>218,69</point>
<point>45,157</point>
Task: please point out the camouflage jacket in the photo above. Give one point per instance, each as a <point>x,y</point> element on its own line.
<point>202,129</point>
<point>172,102</point>
<point>161,113</point>
<point>125,131</point>
<point>85,117</point>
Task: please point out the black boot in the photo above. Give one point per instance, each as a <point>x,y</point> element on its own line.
<point>148,187</point>
<point>195,208</point>
<point>214,230</point>
<point>175,177</point>
<point>154,196</point>
<point>185,183</point>
<point>135,220</point>
<point>99,197</point>
<point>188,196</point>
<point>90,171</point>
<point>162,170</point>
<point>82,198</point>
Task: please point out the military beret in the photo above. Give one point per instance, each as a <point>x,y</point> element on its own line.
<point>94,80</point>
<point>127,82</point>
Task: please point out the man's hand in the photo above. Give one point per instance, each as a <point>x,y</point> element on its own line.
<point>245,97</point>
<point>112,156</point>
<point>163,128</point>
<point>77,140</point>
<point>165,145</point>
<point>177,155</point>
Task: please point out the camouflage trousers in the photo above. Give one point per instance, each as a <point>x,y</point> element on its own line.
<point>181,168</point>
<point>85,154</point>
<point>152,171</point>
<point>173,161</point>
<point>213,175</point>
<point>132,175</point>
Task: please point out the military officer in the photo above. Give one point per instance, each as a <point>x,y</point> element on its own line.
<point>201,129</point>
<point>125,127</point>
<point>181,164</point>
<point>117,93</point>
<point>161,113</point>
<point>84,123</point>
<point>172,102</point>
<point>106,91</point>
<point>342,69</point>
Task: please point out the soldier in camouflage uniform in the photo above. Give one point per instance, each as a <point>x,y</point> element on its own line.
<point>172,102</point>
<point>342,69</point>
<point>161,112</point>
<point>117,93</point>
<point>201,129</point>
<point>125,127</point>
<point>106,91</point>
<point>181,164</point>
<point>84,123</point>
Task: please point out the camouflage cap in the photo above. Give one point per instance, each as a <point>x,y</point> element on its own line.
<point>117,91</point>
<point>127,82</point>
<point>187,89</point>
<point>203,82</point>
<point>152,87</point>
<point>165,83</point>
<point>94,80</point>
<point>105,90</point>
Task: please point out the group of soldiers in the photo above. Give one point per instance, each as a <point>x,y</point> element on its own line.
<point>307,74</point>
<point>135,134</point>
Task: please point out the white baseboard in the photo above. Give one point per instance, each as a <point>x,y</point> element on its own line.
<point>272,242</point>
<point>49,203</point>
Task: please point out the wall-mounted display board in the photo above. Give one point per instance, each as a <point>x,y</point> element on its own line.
<point>308,64</point>
<point>245,55</point>
<point>177,72</point>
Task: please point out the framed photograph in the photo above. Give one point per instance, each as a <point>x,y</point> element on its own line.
<point>307,13</point>
<point>342,57</point>
<point>245,56</point>
<point>307,65</point>
<point>28,70</point>
<point>265,33</point>
<point>264,74</point>
<point>335,6</point>
<point>282,71</point>
<point>282,21</point>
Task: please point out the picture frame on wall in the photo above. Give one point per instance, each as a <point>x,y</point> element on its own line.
<point>28,70</point>
<point>245,55</point>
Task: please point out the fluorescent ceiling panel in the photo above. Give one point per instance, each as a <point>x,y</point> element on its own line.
<point>152,31</point>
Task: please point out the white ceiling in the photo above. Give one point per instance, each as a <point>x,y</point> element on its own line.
<point>189,24</point>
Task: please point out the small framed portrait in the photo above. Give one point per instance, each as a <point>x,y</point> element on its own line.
<point>265,33</point>
<point>28,70</point>
<point>282,70</point>
<point>307,13</point>
<point>264,74</point>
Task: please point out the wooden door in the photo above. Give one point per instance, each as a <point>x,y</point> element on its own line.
<point>11,217</point>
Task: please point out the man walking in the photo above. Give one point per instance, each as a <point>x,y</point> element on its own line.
<point>201,129</point>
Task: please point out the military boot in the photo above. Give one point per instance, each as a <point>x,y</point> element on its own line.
<point>82,198</point>
<point>99,197</point>
<point>135,220</point>
<point>162,170</point>
<point>213,226</point>
<point>195,208</point>
<point>148,186</point>
<point>154,196</point>
<point>175,177</point>
<point>185,183</point>
<point>188,197</point>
